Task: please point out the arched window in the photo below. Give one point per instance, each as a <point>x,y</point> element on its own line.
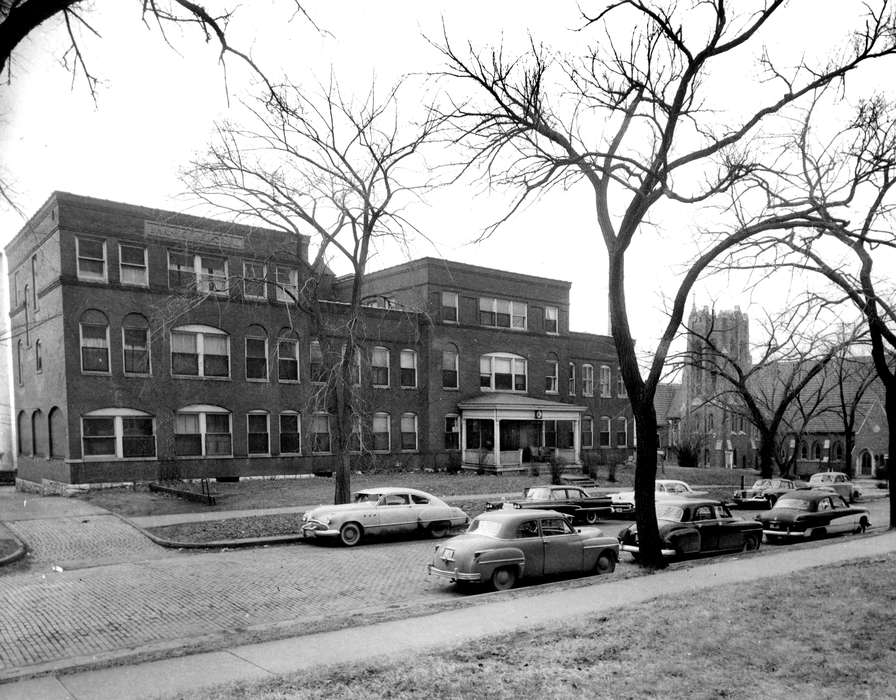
<point>316,358</point>
<point>202,431</point>
<point>56,428</point>
<point>588,380</point>
<point>19,367</point>
<point>39,446</point>
<point>621,432</point>
<point>135,345</point>
<point>450,357</point>
<point>23,429</point>
<point>605,381</point>
<point>258,434</point>
<point>38,357</point>
<point>118,433</point>
<point>838,451</point>
<point>816,450</point>
<point>804,450</point>
<point>604,432</point>
<point>552,376</point>
<point>502,372</point>
<point>379,366</point>
<point>256,353</point>
<point>587,432</point>
<point>94,328</point>
<point>287,356</point>
<point>200,351</point>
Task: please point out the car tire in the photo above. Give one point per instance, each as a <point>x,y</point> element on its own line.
<point>863,525</point>
<point>350,534</point>
<point>606,563</point>
<point>772,539</point>
<point>751,543</point>
<point>504,579</point>
<point>818,532</point>
<point>438,530</point>
<point>591,518</point>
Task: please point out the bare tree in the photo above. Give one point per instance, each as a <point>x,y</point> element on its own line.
<point>340,171</point>
<point>853,377</point>
<point>633,121</point>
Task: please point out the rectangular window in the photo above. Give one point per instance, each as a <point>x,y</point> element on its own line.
<point>449,307</point>
<point>257,358</point>
<point>408,432</point>
<point>138,437</point>
<point>587,380</point>
<point>287,279</point>
<point>99,437</point>
<point>449,369</point>
<point>130,437</point>
<point>195,354</point>
<point>290,434</point>
<point>452,432</point>
<point>551,379</point>
<point>320,434</point>
<point>379,367</point>
<point>257,433</point>
<point>381,433</point>
<point>408,373</point>
<point>605,381</point>
<point>502,373</point>
<point>135,347</point>
<point>94,348</point>
<point>91,259</point>
<point>216,357</point>
<point>184,354</point>
<point>604,435</point>
<point>187,435</point>
<point>212,274</point>
<point>621,432</point>
<point>217,434</point>
<point>620,383</point>
<point>501,313</point>
<point>571,380</point>
<point>587,433</point>
<point>287,360</point>
<point>132,267</point>
<point>316,357</point>
<point>181,271</point>
<point>254,284</point>
<point>551,323</point>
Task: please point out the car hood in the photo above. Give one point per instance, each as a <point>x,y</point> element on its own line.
<point>334,509</point>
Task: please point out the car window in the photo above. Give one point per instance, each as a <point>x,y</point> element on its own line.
<point>722,512</point>
<point>576,493</point>
<point>795,503</point>
<point>761,484</point>
<point>824,504</point>
<point>558,495</point>
<point>839,502</point>
<point>675,488</point>
<point>419,500</point>
<point>538,494</point>
<point>395,499</point>
<point>671,513</point>
<point>555,526</point>
<point>528,529</point>
<point>704,513</point>
<point>840,478</point>
<point>367,497</point>
<point>489,528</point>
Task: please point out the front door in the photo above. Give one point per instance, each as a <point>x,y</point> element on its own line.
<point>707,525</point>
<point>563,549</point>
<point>395,513</point>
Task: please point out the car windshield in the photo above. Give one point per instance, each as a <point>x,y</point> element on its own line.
<point>671,513</point>
<point>538,494</point>
<point>489,528</point>
<point>794,503</point>
<point>762,483</point>
<point>367,497</point>
<point>821,479</point>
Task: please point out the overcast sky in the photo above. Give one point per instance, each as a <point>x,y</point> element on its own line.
<point>156,106</point>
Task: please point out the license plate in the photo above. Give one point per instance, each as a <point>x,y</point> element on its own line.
<point>775,526</point>
<point>448,554</point>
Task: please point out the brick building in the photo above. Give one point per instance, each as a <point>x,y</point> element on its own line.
<point>149,344</point>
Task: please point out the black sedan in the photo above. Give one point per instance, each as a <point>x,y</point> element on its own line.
<point>812,513</point>
<point>691,527</point>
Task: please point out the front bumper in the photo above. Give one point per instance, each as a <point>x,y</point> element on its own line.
<point>623,507</point>
<point>315,529</point>
<point>635,549</point>
<point>795,534</point>
<point>452,574</point>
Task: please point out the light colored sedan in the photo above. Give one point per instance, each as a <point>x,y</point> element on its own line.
<point>383,511</point>
<point>624,501</point>
<point>837,482</point>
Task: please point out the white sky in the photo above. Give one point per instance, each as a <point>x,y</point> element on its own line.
<point>156,107</point>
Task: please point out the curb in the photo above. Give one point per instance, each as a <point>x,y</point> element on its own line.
<point>21,548</point>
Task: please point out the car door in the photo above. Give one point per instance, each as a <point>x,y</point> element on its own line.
<point>705,522</point>
<point>528,539</point>
<point>844,518</point>
<point>728,531</point>
<point>563,549</point>
<point>395,513</point>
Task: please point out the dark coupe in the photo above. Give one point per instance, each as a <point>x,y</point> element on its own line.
<point>569,500</point>
<point>812,513</point>
<point>690,527</point>
<point>765,492</point>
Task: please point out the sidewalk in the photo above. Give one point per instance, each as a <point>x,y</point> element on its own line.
<point>497,614</point>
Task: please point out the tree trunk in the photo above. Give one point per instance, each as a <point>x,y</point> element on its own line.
<point>645,479</point>
<point>766,455</point>
<point>343,474</point>
<point>849,442</point>
<point>890,410</point>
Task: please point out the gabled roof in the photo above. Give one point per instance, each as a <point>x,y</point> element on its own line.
<point>664,402</point>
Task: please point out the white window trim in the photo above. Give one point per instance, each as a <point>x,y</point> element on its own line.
<point>555,376</point>
<point>124,369</point>
<point>605,420</point>
<point>89,277</point>
<point>267,364</point>
<point>296,357</point>
<point>122,265</point>
<point>329,432</point>
<point>556,319</point>
<point>590,433</point>
<point>401,356</point>
<point>455,306</point>
<point>624,422</point>
<point>267,417</point>
<point>81,351</point>
<point>587,384</point>
<point>388,433</point>
<point>202,411</point>
<point>388,367</point>
<point>492,356</point>
<point>513,307</point>
<point>293,284</point>
<point>571,379</point>
<point>416,447</point>
<point>117,414</point>
<point>298,427</point>
<point>201,332</point>
<point>456,387</point>
<point>264,281</point>
<point>199,274</point>
<point>606,387</point>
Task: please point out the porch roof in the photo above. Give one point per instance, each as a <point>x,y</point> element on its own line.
<point>498,401</point>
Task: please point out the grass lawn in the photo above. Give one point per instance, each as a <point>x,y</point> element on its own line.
<point>254,494</point>
<point>822,633</point>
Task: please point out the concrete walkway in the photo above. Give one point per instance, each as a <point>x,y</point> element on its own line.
<point>499,613</point>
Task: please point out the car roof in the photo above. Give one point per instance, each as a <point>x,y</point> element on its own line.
<point>505,515</point>
<point>810,494</point>
<point>388,490</point>
<point>684,502</point>
<point>829,474</point>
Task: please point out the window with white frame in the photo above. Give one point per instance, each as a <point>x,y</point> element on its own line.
<point>449,307</point>
<point>407,374</point>
<point>587,432</point>
<point>135,345</point>
<point>258,436</point>
<point>551,378</point>
<point>287,279</point>
<point>571,379</point>
<point>202,431</point>
<point>94,329</point>
<point>316,360</point>
<point>203,272</point>
<point>621,432</point>
<point>34,281</point>
<point>320,433</point>
<point>604,434</point>
<point>256,354</point>
<point>587,380</point>
<point>382,438</point>
<point>254,280</point>
<point>287,357</point>
<point>181,270</point>
<point>355,438</point>
<point>620,383</point>
<point>408,432</point>
<point>132,266</point>
<point>379,366</point>
<point>212,274</point>
<point>605,381</point>
<point>452,432</point>
<point>551,320</point>
<point>502,313</point>
<point>91,254</point>
<point>290,433</point>
<point>200,351</point>
<point>118,433</point>
<point>450,357</point>
<point>502,372</point>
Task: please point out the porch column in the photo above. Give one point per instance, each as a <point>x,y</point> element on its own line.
<point>577,439</point>
<point>497,446</point>
<point>463,439</point>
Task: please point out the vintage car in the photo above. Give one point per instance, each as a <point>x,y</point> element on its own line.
<point>694,526</point>
<point>570,500</point>
<point>812,513</point>
<point>836,481</point>
<point>764,492</point>
<point>624,501</point>
<point>502,546</point>
<point>381,511</point>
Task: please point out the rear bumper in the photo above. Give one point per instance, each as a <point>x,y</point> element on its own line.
<point>634,549</point>
<point>622,508</point>
<point>452,574</point>
<point>793,534</point>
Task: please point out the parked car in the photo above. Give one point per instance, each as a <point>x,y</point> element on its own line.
<point>502,546</point>
<point>812,513</point>
<point>388,510</point>
<point>836,481</point>
<point>764,492</point>
<point>624,501</point>
<point>570,500</point>
<point>696,526</point>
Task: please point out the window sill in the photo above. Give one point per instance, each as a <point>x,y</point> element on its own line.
<point>450,388</point>
<point>138,374</point>
<point>257,381</point>
<point>289,381</point>
<point>200,377</point>
<point>91,373</point>
<point>116,458</point>
<point>181,458</point>
<point>381,386</point>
